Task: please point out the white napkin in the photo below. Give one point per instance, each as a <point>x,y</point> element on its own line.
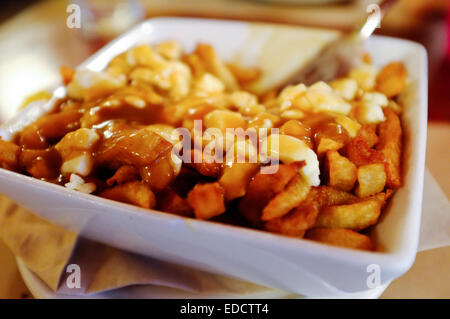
<point>435,225</point>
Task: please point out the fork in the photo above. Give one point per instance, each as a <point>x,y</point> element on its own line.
<point>338,57</point>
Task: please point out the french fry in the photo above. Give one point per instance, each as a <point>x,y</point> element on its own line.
<point>269,96</point>
<point>262,188</point>
<point>295,192</point>
<point>244,75</point>
<point>207,200</point>
<point>132,147</point>
<point>196,64</point>
<point>297,129</point>
<point>224,119</point>
<point>340,237</point>
<point>368,133</point>
<point>171,202</point>
<point>391,80</point>
<point>158,174</point>
<point>371,180</point>
<point>134,192</point>
<point>359,153</point>
<point>56,125</point>
<point>76,142</point>
<point>330,137</point>
<point>390,145</point>
<point>124,174</point>
<point>330,196</point>
<point>388,194</point>
<point>9,155</point>
<point>216,66</point>
<point>51,126</point>
<point>350,125</point>
<point>210,169</point>
<point>327,144</point>
<point>41,163</point>
<point>354,216</point>
<point>186,180</point>
<point>341,171</point>
<point>236,178</point>
<point>299,220</point>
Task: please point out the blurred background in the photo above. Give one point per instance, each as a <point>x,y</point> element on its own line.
<point>34,29</point>
<point>35,41</point>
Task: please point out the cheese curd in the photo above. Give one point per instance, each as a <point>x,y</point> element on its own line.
<point>78,184</point>
<point>319,97</point>
<point>365,75</point>
<point>370,108</point>
<point>289,149</point>
<point>346,88</point>
<point>87,84</point>
<point>81,165</point>
<point>208,84</point>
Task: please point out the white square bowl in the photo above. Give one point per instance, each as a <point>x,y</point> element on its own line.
<point>300,266</point>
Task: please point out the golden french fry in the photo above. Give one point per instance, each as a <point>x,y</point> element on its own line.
<point>223,120</point>
<point>302,218</point>
<point>9,155</point>
<point>124,174</point>
<point>236,178</point>
<point>371,180</point>
<point>354,216</point>
<point>50,126</point>
<point>211,169</point>
<point>296,191</point>
<point>359,153</point>
<point>262,188</point>
<point>340,237</point>
<point>299,130</point>
<point>76,142</point>
<point>207,200</point>
<point>327,144</point>
<point>350,125</point>
<point>341,171</point>
<point>330,196</point>
<point>388,194</point>
<point>196,64</point>
<point>329,136</point>
<point>368,133</point>
<point>390,145</point>
<point>132,147</point>
<point>391,80</point>
<point>171,202</point>
<point>297,222</point>
<point>244,75</point>
<point>41,163</point>
<point>159,174</point>
<point>134,192</point>
<point>262,119</point>
<point>216,66</point>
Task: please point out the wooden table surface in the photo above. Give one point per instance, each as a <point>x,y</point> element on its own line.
<point>32,46</point>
